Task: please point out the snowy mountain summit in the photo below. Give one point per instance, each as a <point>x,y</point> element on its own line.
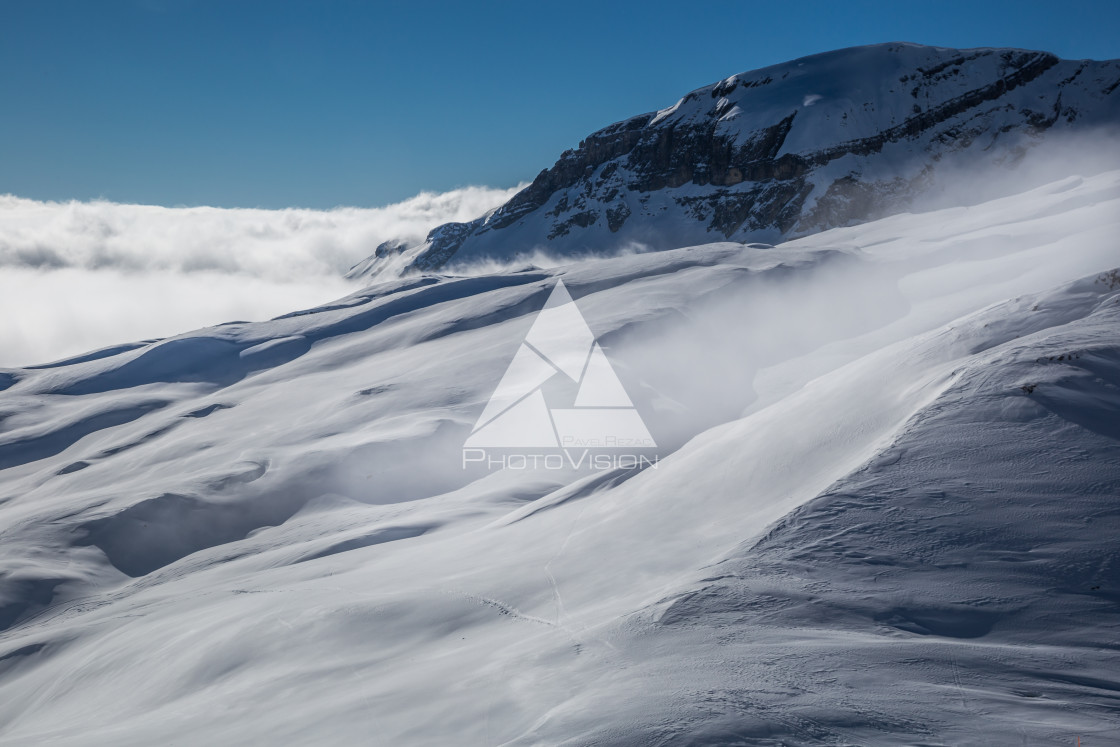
<point>785,151</point>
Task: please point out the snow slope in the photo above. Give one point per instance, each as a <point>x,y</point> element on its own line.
<point>885,514</point>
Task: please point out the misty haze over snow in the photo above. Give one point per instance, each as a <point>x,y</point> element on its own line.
<point>81,275</point>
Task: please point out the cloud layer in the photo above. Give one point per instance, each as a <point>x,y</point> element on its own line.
<point>81,275</point>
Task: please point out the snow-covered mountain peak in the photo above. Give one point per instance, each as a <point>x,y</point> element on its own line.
<point>787,150</point>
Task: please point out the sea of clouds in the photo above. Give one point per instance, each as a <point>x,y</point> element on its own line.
<point>76,276</point>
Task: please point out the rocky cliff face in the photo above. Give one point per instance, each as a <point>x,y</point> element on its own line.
<point>824,141</point>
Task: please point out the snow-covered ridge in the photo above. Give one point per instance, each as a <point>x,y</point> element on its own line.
<point>787,150</point>
<point>886,513</point>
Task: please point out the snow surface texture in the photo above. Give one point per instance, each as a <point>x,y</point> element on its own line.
<point>828,140</point>
<point>886,513</point>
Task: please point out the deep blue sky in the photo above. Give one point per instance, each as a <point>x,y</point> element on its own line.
<point>320,104</point>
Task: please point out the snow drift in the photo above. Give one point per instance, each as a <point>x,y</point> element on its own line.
<point>885,512</point>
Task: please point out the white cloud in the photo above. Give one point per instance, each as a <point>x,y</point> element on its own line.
<point>76,276</point>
